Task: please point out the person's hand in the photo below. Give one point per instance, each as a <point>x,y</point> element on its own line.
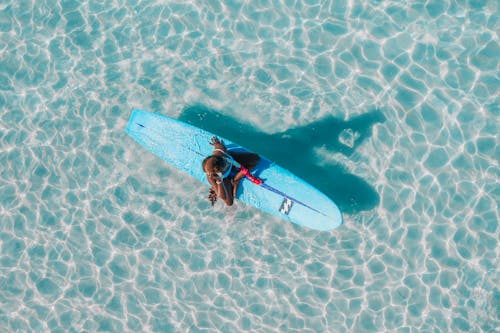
<point>217,143</point>
<point>212,196</point>
<point>214,177</point>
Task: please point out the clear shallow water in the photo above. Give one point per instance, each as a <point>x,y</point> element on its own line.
<point>98,235</point>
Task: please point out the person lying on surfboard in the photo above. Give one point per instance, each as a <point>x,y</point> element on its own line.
<point>225,169</point>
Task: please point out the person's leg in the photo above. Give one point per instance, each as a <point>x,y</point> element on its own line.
<point>248,160</point>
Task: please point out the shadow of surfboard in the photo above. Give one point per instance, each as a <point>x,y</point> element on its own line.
<point>293,149</point>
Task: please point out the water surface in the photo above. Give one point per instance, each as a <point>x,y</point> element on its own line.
<point>391,108</point>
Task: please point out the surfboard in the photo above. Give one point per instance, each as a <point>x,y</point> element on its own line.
<point>282,193</point>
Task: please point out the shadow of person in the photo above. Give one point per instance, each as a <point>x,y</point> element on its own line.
<point>294,149</point>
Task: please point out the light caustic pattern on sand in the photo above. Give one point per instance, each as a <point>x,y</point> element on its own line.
<point>98,235</point>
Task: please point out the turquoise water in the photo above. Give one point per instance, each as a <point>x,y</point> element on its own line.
<point>391,108</point>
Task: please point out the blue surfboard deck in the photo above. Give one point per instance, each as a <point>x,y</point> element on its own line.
<point>283,194</point>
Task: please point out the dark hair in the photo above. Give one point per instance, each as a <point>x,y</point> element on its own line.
<point>218,164</point>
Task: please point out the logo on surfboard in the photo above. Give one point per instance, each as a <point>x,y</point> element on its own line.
<point>286,206</point>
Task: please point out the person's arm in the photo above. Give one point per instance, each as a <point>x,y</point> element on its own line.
<point>225,194</point>
<point>221,189</point>
<point>236,181</point>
